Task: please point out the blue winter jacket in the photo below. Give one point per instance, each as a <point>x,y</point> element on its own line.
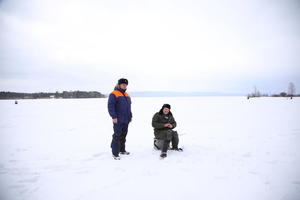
<point>119,105</point>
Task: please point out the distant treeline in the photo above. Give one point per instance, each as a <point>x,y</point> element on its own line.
<point>291,92</point>
<point>46,95</point>
<point>282,94</point>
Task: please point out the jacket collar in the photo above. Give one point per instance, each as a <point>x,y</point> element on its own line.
<point>121,90</point>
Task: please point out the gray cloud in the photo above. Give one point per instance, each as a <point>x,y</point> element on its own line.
<point>175,45</point>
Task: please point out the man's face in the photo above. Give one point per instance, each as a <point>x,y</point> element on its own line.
<point>166,111</point>
<point>123,86</point>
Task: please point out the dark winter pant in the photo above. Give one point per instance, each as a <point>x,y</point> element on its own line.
<point>119,138</point>
<point>174,140</point>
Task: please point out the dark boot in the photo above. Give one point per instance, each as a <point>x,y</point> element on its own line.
<point>177,149</point>
<point>163,155</point>
<point>124,152</point>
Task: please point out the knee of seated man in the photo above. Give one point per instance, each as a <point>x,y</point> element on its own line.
<point>169,135</point>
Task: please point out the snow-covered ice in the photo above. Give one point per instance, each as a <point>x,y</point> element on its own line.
<point>234,149</point>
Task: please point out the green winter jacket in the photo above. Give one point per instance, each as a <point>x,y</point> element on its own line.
<point>158,122</point>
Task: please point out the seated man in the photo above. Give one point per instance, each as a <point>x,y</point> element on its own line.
<point>163,122</point>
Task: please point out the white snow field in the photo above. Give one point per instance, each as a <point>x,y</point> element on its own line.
<point>234,149</point>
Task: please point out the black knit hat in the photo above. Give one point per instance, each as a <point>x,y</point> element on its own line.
<point>123,80</point>
<point>166,106</point>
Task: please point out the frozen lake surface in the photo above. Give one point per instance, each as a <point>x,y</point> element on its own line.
<point>234,149</point>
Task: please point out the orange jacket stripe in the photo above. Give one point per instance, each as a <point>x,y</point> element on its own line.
<point>117,93</point>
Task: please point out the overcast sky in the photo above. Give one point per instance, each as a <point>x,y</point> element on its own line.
<point>216,46</point>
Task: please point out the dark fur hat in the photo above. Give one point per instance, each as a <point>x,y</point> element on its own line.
<point>165,106</point>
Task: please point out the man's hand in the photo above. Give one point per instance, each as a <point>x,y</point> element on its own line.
<point>168,125</point>
<point>115,120</point>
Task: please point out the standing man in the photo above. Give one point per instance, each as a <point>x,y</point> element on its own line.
<point>119,108</point>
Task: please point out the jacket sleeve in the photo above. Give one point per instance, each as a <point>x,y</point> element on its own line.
<point>156,123</point>
<point>112,106</point>
<point>130,109</point>
<point>173,122</point>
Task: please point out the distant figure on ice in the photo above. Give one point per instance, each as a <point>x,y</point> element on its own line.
<point>119,108</point>
<point>163,122</point>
